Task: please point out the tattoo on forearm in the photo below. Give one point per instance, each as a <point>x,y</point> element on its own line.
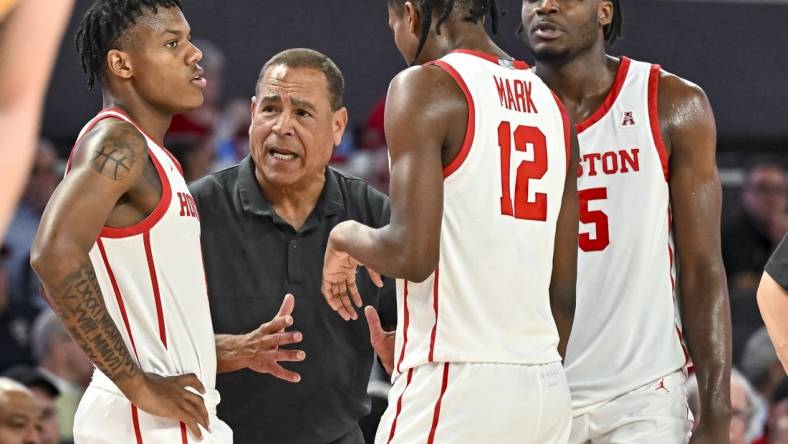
<point>79,304</point>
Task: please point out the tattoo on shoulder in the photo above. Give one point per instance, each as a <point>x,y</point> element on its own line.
<point>115,157</point>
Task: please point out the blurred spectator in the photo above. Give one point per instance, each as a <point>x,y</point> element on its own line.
<point>19,414</point>
<point>748,240</point>
<point>43,179</point>
<point>64,364</point>
<point>15,322</point>
<point>744,403</point>
<point>45,394</point>
<point>778,416</point>
<point>223,130</point>
<point>763,370</point>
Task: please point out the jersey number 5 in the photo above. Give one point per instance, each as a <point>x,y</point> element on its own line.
<point>527,170</point>
<point>596,217</point>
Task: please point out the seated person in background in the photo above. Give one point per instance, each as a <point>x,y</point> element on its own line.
<point>19,414</point>
<point>46,394</point>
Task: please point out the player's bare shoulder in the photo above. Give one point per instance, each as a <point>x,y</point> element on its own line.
<point>683,108</point>
<point>113,148</point>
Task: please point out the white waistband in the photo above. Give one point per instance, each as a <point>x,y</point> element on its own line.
<point>211,397</point>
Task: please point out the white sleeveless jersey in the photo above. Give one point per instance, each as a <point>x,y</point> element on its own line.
<point>153,281</point>
<point>488,300</point>
<point>627,330</point>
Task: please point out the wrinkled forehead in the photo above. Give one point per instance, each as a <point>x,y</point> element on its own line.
<point>286,82</point>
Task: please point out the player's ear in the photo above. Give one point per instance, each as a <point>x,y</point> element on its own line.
<point>119,64</point>
<point>339,124</point>
<point>252,110</point>
<point>605,12</point>
<point>413,15</point>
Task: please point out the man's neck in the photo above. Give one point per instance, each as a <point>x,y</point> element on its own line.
<point>294,203</point>
<point>582,81</point>
<point>153,122</point>
<point>468,36</point>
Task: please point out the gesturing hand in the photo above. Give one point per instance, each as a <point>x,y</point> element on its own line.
<point>382,341</point>
<point>262,346</point>
<point>339,279</point>
<point>168,397</point>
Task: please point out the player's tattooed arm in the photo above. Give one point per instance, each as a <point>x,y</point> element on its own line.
<point>689,134</point>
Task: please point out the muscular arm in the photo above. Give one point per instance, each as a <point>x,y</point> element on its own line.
<point>106,166</point>
<point>27,59</point>
<point>773,303</point>
<point>690,136</point>
<point>421,102</point>
<point>563,282</point>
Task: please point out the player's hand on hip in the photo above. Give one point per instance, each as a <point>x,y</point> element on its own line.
<point>264,344</point>
<point>169,397</point>
<point>382,341</point>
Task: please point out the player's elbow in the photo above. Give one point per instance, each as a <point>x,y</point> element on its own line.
<point>49,256</point>
<point>419,265</point>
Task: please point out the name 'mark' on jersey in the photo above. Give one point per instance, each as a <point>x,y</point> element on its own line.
<point>152,278</point>
<point>488,300</point>
<point>627,330</point>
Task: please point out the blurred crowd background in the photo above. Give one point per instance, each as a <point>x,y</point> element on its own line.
<point>728,47</point>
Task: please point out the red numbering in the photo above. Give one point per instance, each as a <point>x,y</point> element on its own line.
<point>596,217</point>
<point>527,170</point>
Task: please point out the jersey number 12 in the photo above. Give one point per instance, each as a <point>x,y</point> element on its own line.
<point>522,208</point>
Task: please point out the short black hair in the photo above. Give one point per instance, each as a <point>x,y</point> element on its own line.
<point>103,24</point>
<point>477,9</point>
<point>309,58</point>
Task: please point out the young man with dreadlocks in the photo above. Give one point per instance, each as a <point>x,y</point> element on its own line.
<point>649,245</point>
<point>118,249</point>
<point>483,237</point>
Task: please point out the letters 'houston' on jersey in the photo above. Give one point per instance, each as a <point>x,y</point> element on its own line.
<point>627,330</point>
<point>152,277</point>
<point>488,300</point>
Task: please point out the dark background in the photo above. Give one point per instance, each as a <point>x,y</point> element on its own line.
<point>737,51</point>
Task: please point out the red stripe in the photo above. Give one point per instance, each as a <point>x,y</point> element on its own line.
<point>618,83</point>
<point>136,421</point>
<point>154,281</point>
<point>653,117</point>
<point>455,164</point>
<point>184,435</point>
<point>399,406</point>
<point>102,115</point>
<point>405,329</point>
<point>435,307</point>
<point>118,296</point>
<point>437,414</point>
<point>517,64</point>
<point>567,132</point>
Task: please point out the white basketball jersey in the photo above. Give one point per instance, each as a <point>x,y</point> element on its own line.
<point>153,281</point>
<point>627,330</point>
<point>488,300</point>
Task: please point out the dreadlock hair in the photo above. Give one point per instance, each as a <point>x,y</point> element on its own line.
<point>613,31</point>
<point>477,10</point>
<point>102,26</point>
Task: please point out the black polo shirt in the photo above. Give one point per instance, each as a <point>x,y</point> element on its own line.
<point>777,267</point>
<point>252,258</point>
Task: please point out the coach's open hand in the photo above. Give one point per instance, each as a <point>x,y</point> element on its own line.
<point>339,276</point>
<point>259,350</point>
<point>168,397</point>
<point>382,341</point>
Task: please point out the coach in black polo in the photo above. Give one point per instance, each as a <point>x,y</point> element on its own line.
<point>265,224</point>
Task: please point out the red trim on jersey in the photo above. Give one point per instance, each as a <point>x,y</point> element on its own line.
<point>399,406</point>
<point>618,83</point>
<point>437,414</point>
<point>118,296</point>
<point>103,115</point>
<point>567,131</point>
<point>154,281</point>
<point>175,161</point>
<point>434,307</point>
<point>184,435</point>
<point>653,117</point>
<point>517,64</point>
<point>455,163</point>
<point>405,328</point>
<point>155,216</point>
<point>136,421</point>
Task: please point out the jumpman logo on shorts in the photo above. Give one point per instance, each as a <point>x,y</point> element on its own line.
<point>662,386</point>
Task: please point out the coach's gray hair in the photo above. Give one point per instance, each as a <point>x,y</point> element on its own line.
<point>45,329</point>
<point>758,357</point>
